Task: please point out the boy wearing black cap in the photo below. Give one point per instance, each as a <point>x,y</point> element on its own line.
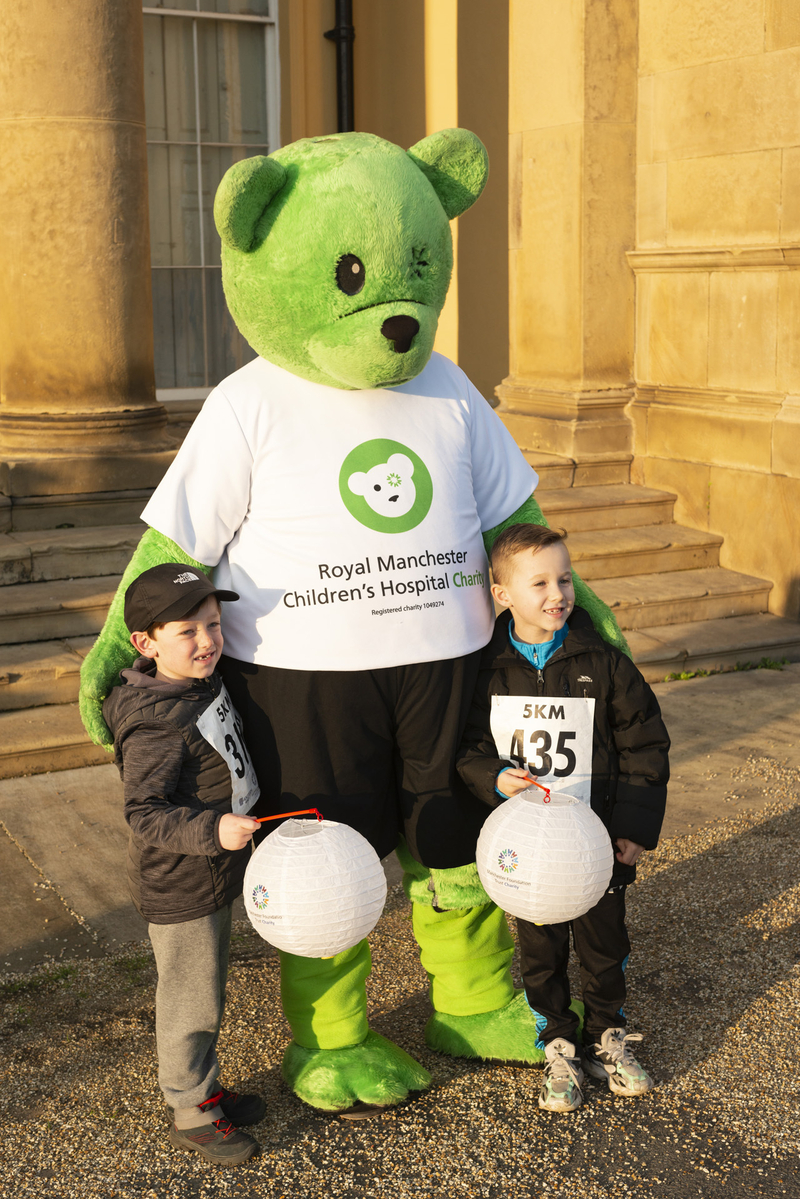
<point>188,786</point>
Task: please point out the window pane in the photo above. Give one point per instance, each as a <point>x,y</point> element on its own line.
<point>233,82</point>
<point>174,214</point>
<point>178,314</point>
<point>253,8</point>
<point>187,4</point>
<point>178,69</point>
<point>228,350</point>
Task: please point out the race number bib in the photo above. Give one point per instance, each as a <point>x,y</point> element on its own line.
<point>552,737</point>
<point>222,728</point>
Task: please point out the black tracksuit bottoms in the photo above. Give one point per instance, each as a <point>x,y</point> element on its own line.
<point>374,749</point>
<point>602,947</point>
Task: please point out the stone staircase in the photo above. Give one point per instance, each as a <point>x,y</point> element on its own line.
<point>681,611</point>
<point>61,559</point>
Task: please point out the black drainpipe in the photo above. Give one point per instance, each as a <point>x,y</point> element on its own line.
<point>344,36</point>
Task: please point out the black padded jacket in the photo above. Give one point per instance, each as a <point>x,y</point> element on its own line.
<point>176,789</point>
<point>630,763</point>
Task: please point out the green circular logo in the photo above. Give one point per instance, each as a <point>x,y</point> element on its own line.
<point>386,486</point>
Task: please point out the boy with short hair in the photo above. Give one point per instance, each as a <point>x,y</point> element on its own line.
<point>602,740</point>
<point>188,786</point>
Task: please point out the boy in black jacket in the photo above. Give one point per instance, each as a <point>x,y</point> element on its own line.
<point>602,740</point>
<point>188,786</point>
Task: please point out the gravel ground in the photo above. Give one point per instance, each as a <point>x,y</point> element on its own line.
<point>714,986</point>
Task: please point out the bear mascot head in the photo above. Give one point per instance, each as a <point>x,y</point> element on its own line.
<point>337,253</point>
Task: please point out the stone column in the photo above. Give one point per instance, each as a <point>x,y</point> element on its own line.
<point>572,134</point>
<point>78,410</point>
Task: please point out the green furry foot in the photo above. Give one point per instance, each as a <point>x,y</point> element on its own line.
<point>376,1072</point>
<point>506,1035</point>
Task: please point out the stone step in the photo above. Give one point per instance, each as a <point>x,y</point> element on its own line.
<point>39,739</point>
<point>54,610</point>
<point>682,596</point>
<point>611,506</point>
<point>713,644</point>
<point>81,511</point>
<point>41,672</point>
<point>648,549</point>
<point>556,471</point>
<point>41,555</point>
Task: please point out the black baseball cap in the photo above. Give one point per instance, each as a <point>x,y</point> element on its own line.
<point>167,592</point>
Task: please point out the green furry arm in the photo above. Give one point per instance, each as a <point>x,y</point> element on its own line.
<point>112,651</point>
<point>602,617</point>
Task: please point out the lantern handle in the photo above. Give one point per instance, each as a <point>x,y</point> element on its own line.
<point>542,788</point>
<point>303,812</point>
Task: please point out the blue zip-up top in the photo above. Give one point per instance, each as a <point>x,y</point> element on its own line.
<point>538,655</point>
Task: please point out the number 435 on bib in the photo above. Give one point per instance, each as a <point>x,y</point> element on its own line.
<point>550,736</point>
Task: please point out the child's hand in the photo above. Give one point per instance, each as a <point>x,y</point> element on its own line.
<point>235,831</point>
<point>629,851</point>
<point>512,781</point>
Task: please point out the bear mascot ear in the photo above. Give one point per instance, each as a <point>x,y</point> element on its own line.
<point>246,191</point>
<point>456,165</point>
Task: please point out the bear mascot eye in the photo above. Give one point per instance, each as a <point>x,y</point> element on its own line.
<point>350,274</point>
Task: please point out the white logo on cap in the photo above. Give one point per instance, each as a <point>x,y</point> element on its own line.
<point>187,577</point>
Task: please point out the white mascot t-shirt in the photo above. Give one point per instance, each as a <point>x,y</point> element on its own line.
<point>349,522</point>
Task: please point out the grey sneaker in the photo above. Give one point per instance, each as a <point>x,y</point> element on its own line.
<point>219,1143</point>
<point>613,1061</point>
<point>563,1078</point>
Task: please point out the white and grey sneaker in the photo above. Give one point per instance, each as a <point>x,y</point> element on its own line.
<point>613,1061</point>
<point>563,1078</point>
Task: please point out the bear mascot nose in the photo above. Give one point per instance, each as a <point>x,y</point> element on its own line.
<point>401,330</point>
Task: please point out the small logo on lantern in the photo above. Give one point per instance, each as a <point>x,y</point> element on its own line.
<point>260,897</point>
<point>508,861</point>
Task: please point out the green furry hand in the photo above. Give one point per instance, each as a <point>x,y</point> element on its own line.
<point>603,618</point>
<point>113,652</point>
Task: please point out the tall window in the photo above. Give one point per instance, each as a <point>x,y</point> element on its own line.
<point>211,91</point>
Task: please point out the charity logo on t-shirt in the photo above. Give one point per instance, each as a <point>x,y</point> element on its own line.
<point>386,486</point>
<point>370,556</point>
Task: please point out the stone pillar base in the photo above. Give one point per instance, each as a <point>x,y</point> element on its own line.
<point>70,453</point>
<point>583,425</point>
<point>25,431</point>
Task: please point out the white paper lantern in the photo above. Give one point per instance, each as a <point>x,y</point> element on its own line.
<point>546,862</point>
<point>314,888</point>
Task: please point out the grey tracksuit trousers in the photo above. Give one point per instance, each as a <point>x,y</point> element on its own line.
<point>192,962</point>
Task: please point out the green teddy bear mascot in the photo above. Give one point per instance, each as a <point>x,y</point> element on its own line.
<point>347,484</point>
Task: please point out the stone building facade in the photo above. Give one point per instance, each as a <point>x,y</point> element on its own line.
<point>628,287</point>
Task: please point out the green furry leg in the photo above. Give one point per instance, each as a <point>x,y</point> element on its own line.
<point>333,1080</point>
<point>508,1034</point>
<point>448,890</point>
<point>467,956</point>
<point>334,1061</point>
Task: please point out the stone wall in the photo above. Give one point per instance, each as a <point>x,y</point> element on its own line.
<point>717,264</point>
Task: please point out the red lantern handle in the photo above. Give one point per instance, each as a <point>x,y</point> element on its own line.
<point>542,788</point>
<point>303,812</point>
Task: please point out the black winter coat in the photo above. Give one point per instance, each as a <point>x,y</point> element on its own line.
<point>176,789</point>
<point>630,764</point>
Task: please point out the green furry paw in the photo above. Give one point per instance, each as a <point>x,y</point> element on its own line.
<point>333,1080</point>
<point>508,1034</point>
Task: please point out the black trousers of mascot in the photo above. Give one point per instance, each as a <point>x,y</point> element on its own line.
<point>373,749</point>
